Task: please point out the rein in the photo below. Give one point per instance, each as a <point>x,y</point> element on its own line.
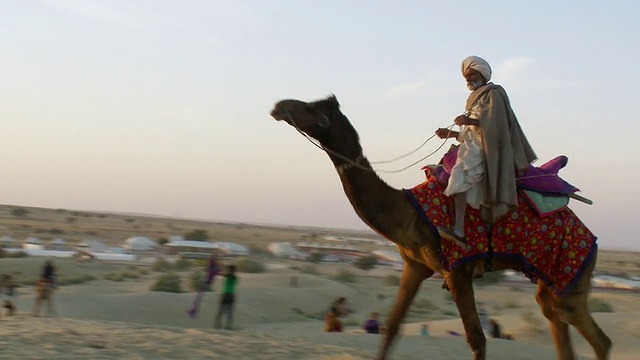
<point>349,163</point>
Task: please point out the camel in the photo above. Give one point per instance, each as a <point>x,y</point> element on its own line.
<point>388,211</point>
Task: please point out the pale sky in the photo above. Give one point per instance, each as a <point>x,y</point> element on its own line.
<point>162,107</point>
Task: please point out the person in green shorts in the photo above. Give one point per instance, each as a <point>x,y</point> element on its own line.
<point>227,298</point>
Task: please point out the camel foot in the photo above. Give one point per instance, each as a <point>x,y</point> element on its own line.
<point>449,234</point>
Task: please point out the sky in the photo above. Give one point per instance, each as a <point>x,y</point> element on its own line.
<point>162,107</point>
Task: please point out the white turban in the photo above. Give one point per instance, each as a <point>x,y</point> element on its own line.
<point>478,64</point>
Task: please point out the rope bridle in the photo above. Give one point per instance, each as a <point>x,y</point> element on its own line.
<point>349,163</point>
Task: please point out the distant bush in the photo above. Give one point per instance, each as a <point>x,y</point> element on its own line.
<point>315,257</point>
<point>391,280</point>
<point>344,276</point>
<point>74,280</point>
<point>18,212</point>
<point>365,262</point>
<point>161,265</point>
<point>161,241</point>
<point>197,235</point>
<point>259,250</point>
<point>131,274</point>
<point>249,265</point>
<point>169,282</point>
<point>600,306</point>
<point>116,276</point>
<point>19,254</point>
<point>122,276</point>
<point>307,269</point>
<point>182,265</point>
<point>450,313</point>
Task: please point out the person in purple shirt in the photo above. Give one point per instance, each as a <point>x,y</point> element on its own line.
<point>372,325</point>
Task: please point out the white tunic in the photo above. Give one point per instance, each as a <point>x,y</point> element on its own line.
<point>469,168</point>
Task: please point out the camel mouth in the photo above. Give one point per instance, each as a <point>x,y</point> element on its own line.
<point>276,113</point>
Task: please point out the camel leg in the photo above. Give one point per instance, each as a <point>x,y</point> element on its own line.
<point>559,329</point>
<point>413,274</point>
<point>590,330</point>
<point>460,282</point>
<point>574,309</point>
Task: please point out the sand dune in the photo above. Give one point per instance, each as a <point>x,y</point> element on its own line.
<point>104,319</point>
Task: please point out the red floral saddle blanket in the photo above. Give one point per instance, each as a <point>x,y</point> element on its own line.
<point>555,248</point>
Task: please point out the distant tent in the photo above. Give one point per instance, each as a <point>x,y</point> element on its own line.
<point>92,246</point>
<point>191,244</point>
<point>140,243</point>
<point>32,240</point>
<point>233,249</point>
<point>58,244</point>
<point>285,249</point>
<point>32,243</point>
<point>191,249</point>
<point>7,240</point>
<point>175,238</point>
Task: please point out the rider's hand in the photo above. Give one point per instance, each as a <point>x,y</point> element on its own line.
<point>443,133</point>
<point>461,120</point>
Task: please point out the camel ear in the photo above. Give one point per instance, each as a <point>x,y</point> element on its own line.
<point>334,99</point>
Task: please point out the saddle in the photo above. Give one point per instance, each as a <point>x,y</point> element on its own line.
<point>541,187</point>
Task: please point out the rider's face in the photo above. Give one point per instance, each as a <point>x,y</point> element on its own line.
<point>474,79</point>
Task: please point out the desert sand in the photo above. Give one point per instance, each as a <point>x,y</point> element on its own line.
<point>104,319</point>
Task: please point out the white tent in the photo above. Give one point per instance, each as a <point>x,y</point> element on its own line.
<point>191,245</point>
<point>58,244</point>
<point>58,241</point>
<point>32,243</point>
<point>285,249</point>
<point>233,249</point>
<point>7,240</point>
<point>32,240</point>
<point>175,238</point>
<point>140,243</point>
<point>92,246</point>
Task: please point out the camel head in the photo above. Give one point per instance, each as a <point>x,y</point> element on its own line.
<point>321,120</point>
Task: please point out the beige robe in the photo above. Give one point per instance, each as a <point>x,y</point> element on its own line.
<point>506,149</point>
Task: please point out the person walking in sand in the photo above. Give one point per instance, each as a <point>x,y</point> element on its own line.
<point>211,271</point>
<point>44,289</point>
<point>424,330</point>
<point>338,308</point>
<point>227,299</point>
